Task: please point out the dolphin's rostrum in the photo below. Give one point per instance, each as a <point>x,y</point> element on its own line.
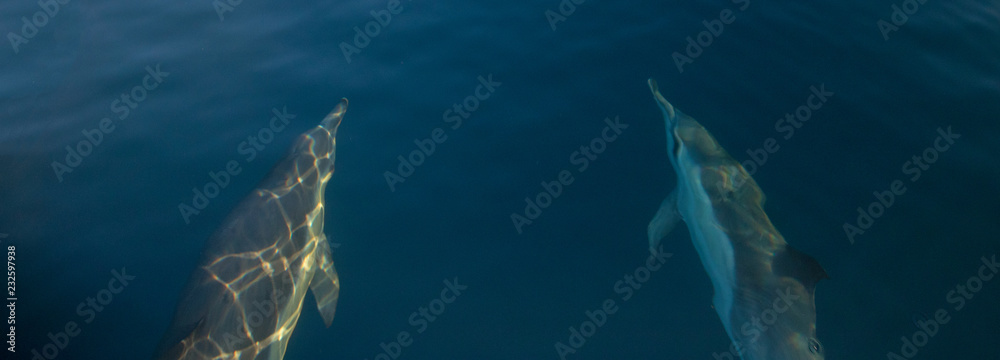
<point>763,287</point>
<point>245,297</point>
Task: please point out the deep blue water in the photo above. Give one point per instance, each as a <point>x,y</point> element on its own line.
<point>452,217</point>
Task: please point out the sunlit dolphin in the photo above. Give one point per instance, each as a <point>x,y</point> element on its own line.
<point>763,287</point>
<point>244,299</point>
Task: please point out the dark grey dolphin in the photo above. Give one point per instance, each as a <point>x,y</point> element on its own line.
<point>244,299</point>
<point>763,287</point>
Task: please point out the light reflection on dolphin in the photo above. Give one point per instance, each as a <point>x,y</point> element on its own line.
<point>764,288</point>
<point>245,297</point>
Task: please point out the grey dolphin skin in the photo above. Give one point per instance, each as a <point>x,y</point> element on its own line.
<point>764,288</point>
<point>245,297</point>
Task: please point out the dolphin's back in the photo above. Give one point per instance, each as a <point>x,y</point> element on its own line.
<point>245,297</point>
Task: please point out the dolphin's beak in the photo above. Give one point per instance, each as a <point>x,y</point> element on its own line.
<point>332,120</point>
<point>668,108</point>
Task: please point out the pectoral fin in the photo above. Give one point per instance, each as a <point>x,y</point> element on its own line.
<point>325,284</point>
<point>664,221</point>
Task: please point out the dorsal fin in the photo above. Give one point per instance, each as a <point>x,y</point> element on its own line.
<point>798,265</point>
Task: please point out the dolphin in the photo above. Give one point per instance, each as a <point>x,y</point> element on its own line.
<point>245,297</point>
<point>764,288</point>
